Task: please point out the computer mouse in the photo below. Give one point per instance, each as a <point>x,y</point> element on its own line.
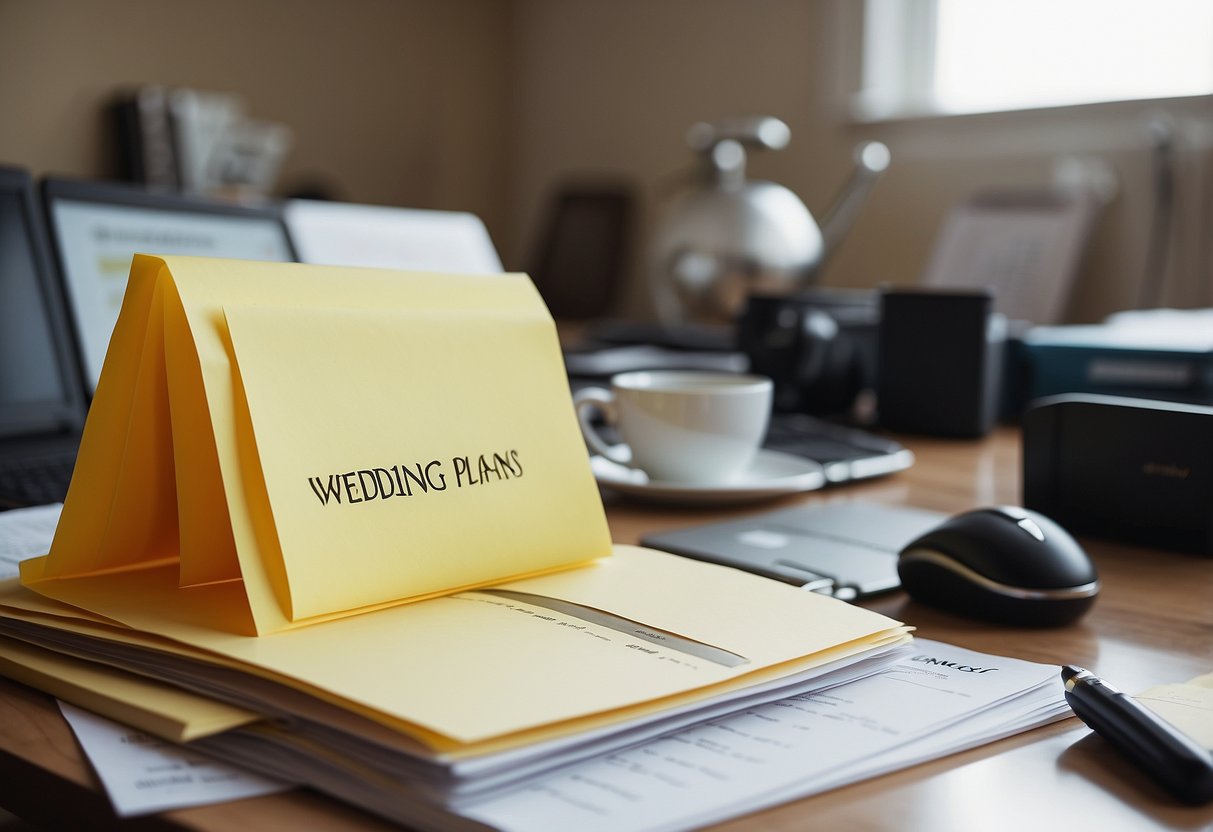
<point>1003,564</point>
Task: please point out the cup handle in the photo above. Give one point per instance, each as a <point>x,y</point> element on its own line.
<point>595,399</point>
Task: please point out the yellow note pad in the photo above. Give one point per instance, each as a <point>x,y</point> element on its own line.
<point>1187,705</point>
<point>331,440</point>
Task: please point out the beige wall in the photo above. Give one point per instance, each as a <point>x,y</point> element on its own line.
<point>612,87</point>
<point>487,105</point>
<point>396,101</point>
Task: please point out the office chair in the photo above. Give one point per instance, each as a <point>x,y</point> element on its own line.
<point>583,251</point>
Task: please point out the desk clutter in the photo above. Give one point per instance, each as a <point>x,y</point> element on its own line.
<point>382,569</point>
<point>194,588</point>
<point>676,769</point>
<point>198,542</point>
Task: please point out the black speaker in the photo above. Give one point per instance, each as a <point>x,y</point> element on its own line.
<point>1127,469</point>
<point>939,362</point>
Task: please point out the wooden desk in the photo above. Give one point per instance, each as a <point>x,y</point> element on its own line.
<point>1152,624</point>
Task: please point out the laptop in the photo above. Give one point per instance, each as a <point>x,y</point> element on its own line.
<point>847,550</point>
<point>97,227</point>
<point>386,237</point>
<point>42,404</point>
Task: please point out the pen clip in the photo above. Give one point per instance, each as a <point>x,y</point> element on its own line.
<point>1083,676</point>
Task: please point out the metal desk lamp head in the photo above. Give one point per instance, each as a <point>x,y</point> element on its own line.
<point>729,236</point>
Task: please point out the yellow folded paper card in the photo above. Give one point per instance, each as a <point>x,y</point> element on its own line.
<point>279,456</point>
<point>332,440</point>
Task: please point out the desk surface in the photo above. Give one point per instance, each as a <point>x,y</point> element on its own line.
<point>1152,624</point>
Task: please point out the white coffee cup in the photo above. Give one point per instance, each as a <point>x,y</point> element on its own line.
<point>680,426</point>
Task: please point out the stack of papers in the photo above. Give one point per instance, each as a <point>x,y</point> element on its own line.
<point>696,766</point>
<point>937,700</point>
<point>339,525</point>
<point>701,765</point>
<point>413,710</point>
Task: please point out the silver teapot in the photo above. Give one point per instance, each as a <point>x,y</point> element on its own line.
<point>730,237</point>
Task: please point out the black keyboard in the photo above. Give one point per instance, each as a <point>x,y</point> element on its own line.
<point>36,480</point>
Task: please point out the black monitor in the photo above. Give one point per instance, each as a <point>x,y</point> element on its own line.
<point>40,391</point>
<point>97,227</point>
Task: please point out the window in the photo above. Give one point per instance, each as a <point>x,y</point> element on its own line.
<point>961,56</point>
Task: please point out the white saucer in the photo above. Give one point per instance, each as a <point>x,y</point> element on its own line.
<point>771,474</point>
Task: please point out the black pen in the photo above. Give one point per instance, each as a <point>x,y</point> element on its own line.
<point>1172,758</point>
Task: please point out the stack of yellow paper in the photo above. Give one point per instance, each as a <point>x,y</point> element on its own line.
<point>355,505</point>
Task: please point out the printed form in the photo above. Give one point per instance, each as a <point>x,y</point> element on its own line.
<point>939,700</point>
<point>26,533</point>
<point>142,774</point>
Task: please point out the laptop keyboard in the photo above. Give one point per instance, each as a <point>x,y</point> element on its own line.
<point>845,453</point>
<point>795,433</point>
<point>36,480</point>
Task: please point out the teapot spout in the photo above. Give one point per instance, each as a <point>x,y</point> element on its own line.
<point>871,160</point>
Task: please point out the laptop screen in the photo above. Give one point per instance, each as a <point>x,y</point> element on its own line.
<point>37,379</point>
<point>98,228</point>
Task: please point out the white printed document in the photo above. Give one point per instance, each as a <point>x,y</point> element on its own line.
<point>142,774</point>
<point>26,533</point>
<point>939,700</point>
